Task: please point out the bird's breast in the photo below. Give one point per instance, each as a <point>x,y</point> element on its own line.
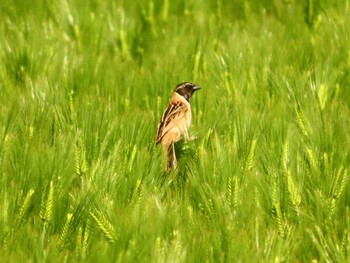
<point>188,117</point>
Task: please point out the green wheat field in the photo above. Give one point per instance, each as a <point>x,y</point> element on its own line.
<point>83,86</point>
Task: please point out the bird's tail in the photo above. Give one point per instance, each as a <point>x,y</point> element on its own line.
<point>171,160</point>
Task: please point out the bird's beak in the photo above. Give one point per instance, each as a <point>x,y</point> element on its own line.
<point>196,88</point>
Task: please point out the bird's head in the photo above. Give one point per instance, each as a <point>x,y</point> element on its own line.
<point>186,89</point>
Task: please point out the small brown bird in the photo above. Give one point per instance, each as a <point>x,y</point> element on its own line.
<point>175,121</point>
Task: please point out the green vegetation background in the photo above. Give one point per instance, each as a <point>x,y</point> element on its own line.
<point>83,85</point>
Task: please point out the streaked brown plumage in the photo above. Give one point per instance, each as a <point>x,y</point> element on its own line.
<point>176,120</point>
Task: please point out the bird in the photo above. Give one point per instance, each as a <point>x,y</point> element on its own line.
<point>175,121</point>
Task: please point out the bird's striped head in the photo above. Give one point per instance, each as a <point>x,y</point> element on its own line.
<point>186,89</point>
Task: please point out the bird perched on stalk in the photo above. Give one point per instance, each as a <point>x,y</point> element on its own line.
<point>175,121</point>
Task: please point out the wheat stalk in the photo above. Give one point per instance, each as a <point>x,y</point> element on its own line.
<point>159,247</point>
<point>250,158</point>
<point>235,193</point>
<point>71,103</point>
<point>226,77</point>
<point>124,45</point>
<point>325,164</point>
<point>165,10</point>
<point>196,65</point>
<point>279,219</point>
<point>47,204</point>
<point>136,190</point>
<point>46,211</point>
<point>284,157</point>
<point>345,244</point>
<point>229,191</point>
<point>66,230</point>
<point>86,239</point>
<point>210,207</point>
<point>132,158</point>
<point>300,120</point>
<point>311,160</point>
<point>235,137</point>
<point>105,226</point>
<point>343,183</point>
<point>25,206</point>
<point>274,190</point>
<point>294,196</point>
<point>80,159</point>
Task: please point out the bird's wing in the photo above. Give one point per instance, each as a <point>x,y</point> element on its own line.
<point>175,111</point>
